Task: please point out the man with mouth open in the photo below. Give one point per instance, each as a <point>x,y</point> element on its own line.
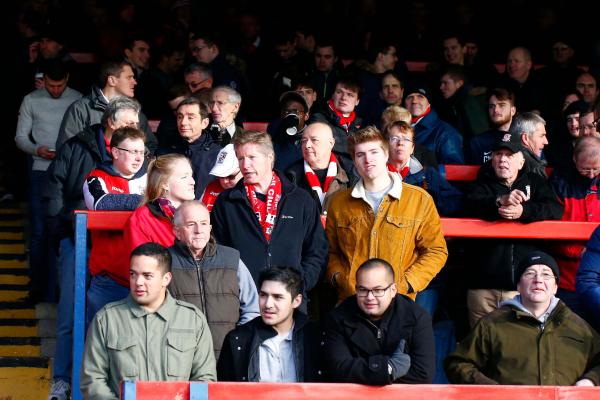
<point>267,218</point>
<point>532,339</point>
<point>281,345</point>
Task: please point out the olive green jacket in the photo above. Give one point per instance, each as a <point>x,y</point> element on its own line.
<point>126,342</point>
<point>511,347</point>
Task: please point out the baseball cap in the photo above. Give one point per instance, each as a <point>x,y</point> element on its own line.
<point>509,141</point>
<point>226,163</point>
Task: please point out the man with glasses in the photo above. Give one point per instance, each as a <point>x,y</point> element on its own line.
<point>377,336</point>
<point>588,125</point>
<point>206,48</point>
<point>115,186</point>
<point>66,175</point>
<point>532,339</point>
<point>224,106</point>
<point>198,76</point>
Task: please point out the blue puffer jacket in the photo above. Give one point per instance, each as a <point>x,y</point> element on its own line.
<point>588,280</point>
<point>447,199</point>
<point>441,138</point>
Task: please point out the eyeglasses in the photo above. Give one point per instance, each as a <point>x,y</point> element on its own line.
<point>143,153</point>
<point>399,139</point>
<point>544,275</point>
<point>364,292</point>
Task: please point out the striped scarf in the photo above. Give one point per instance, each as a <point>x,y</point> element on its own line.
<point>313,180</point>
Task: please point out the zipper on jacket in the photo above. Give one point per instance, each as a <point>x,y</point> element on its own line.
<point>200,275</point>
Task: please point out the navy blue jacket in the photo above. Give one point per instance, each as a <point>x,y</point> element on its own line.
<point>441,138</point>
<point>203,155</point>
<point>588,280</point>
<point>298,239</point>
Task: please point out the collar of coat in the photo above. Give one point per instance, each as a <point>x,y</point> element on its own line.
<point>266,331</point>
<point>359,192</point>
<point>164,311</point>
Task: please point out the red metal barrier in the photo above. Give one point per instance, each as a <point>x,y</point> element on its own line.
<point>465,172</point>
<point>256,126</point>
<point>340,391</point>
<point>452,227</point>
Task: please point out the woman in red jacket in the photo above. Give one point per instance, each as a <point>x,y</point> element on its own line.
<point>170,183</point>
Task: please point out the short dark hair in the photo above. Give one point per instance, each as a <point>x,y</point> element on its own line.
<point>203,108</point>
<point>111,68</point>
<point>394,75</point>
<point>126,132</point>
<point>156,251</point>
<point>55,70</point>
<point>290,277</point>
<point>350,82</point>
<point>372,263</point>
<point>456,72</point>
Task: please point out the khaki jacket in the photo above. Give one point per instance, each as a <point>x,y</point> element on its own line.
<point>511,347</point>
<point>125,341</point>
<point>406,232</point>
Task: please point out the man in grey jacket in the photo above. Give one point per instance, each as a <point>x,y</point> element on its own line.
<point>117,79</point>
<point>210,276</point>
<point>148,336</point>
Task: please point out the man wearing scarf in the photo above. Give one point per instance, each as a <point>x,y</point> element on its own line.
<point>268,219</point>
<point>339,112</point>
<point>321,171</point>
<point>430,131</point>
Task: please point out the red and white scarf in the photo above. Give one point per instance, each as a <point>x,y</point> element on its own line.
<point>345,122</point>
<point>313,180</point>
<point>212,191</point>
<point>266,211</point>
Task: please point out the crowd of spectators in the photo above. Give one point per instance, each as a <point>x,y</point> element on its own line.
<point>311,251</point>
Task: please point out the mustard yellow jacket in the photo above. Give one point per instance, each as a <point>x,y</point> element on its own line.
<point>406,232</point>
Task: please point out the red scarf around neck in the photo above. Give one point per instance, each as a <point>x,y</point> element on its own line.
<point>313,180</point>
<point>266,211</point>
<point>414,120</point>
<point>345,122</point>
<point>212,191</point>
<point>403,172</point>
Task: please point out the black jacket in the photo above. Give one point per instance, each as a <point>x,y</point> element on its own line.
<point>239,359</point>
<point>298,239</point>
<point>202,153</point>
<point>340,134</point>
<point>494,260</point>
<point>295,173</point>
<point>75,159</point>
<point>358,351</point>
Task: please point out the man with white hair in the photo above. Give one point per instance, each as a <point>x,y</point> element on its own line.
<point>224,106</point>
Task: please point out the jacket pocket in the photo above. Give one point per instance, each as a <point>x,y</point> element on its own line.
<point>180,355</point>
<point>123,356</point>
<point>395,234</point>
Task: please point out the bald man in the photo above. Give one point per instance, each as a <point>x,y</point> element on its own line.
<point>321,171</point>
<point>522,80</point>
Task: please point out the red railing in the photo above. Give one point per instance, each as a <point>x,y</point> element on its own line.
<point>343,391</point>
